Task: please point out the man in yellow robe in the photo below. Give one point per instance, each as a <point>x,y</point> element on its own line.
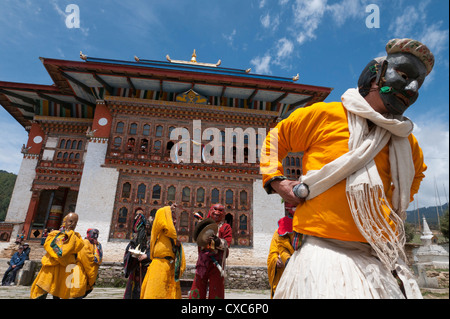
<point>362,166</point>
<point>89,260</point>
<point>60,274</point>
<point>281,249</point>
<point>168,263</point>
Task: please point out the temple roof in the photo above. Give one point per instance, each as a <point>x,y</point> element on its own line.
<point>79,84</point>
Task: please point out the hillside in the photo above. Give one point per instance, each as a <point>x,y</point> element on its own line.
<point>7,181</point>
<point>430,214</point>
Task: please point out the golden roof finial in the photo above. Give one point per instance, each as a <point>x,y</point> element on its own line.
<point>193,58</point>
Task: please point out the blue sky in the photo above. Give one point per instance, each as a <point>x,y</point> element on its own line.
<point>327,43</point>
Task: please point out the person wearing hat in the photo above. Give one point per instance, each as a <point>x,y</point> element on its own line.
<point>135,265</point>
<point>89,260</point>
<point>26,250</point>
<point>209,269</point>
<point>362,167</point>
<point>281,248</point>
<point>15,264</point>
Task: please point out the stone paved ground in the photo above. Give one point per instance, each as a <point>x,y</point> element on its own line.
<point>23,292</point>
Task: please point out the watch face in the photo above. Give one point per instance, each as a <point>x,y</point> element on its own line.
<point>404,76</point>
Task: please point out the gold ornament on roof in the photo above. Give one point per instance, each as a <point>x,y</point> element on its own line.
<point>83,56</point>
<point>194,57</point>
<point>193,61</point>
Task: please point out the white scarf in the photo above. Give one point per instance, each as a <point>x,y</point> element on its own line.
<point>364,188</point>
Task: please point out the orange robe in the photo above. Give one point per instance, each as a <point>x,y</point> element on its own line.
<point>280,246</point>
<point>89,261</point>
<point>159,281</point>
<point>321,132</point>
<point>60,275</point>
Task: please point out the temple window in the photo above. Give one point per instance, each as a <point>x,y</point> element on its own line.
<point>141,192</point>
<point>200,195</point>
<point>170,130</point>
<point>184,219</point>
<point>123,212</point>
<point>77,156</point>
<point>171,193</point>
<point>80,145</point>
<point>156,194</point>
<point>297,162</point>
<point>71,156</point>
<point>119,127</point>
<point>157,145</point>
<point>126,188</point>
<point>159,131</point>
<point>186,194</point>
<point>146,130</point>
<point>130,144</point>
<point>144,145</point>
<point>66,155</point>
<point>62,143</point>
<point>243,222</point>
<point>229,197</point>
<point>243,198</point>
<point>59,156</point>
<point>117,142</point>
<point>68,144</point>
<point>133,128</point>
<point>215,196</point>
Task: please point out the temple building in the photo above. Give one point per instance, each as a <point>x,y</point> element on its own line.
<point>110,136</point>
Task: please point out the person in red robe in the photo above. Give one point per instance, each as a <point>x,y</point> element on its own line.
<point>209,270</point>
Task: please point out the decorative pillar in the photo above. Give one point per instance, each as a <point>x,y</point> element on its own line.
<point>22,193</point>
<point>98,184</point>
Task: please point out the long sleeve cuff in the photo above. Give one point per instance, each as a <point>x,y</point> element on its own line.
<point>268,188</point>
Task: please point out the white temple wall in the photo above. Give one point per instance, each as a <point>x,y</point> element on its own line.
<point>21,195</point>
<point>97,193</point>
<point>267,210</point>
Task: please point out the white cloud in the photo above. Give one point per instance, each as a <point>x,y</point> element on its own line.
<point>268,22</point>
<point>433,138</point>
<point>262,3</point>
<point>265,20</point>
<point>307,17</point>
<point>284,48</point>
<point>262,64</point>
<point>340,12</point>
<point>435,39</point>
<point>406,22</point>
<point>230,38</point>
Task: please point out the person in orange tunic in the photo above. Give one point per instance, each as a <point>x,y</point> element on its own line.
<point>362,167</point>
<point>281,249</point>
<point>60,274</point>
<point>168,262</point>
<point>89,259</point>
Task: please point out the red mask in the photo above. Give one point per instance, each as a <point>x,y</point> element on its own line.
<point>217,212</point>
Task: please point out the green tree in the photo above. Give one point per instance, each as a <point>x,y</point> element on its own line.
<point>444,224</point>
<point>7,181</point>
<point>409,232</point>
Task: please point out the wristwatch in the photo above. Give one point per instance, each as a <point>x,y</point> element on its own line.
<point>301,190</point>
